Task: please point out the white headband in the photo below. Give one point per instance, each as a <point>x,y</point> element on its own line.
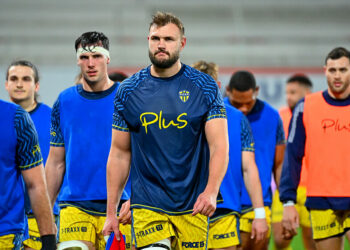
<point>93,49</point>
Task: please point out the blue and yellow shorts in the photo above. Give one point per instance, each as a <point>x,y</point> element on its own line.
<point>246,221</point>
<point>328,223</point>
<point>186,231</point>
<point>224,231</point>
<point>11,241</point>
<point>76,224</point>
<point>34,240</point>
<point>304,215</point>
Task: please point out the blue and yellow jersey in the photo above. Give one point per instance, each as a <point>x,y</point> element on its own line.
<point>293,160</point>
<point>268,132</point>
<point>41,117</point>
<point>81,123</point>
<point>240,139</point>
<point>19,151</point>
<point>166,119</point>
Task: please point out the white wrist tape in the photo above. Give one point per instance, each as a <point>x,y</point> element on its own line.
<point>288,204</point>
<point>259,213</point>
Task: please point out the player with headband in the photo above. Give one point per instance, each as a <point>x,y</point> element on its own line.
<point>80,142</point>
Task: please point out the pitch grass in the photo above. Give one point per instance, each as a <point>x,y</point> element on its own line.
<point>297,243</point>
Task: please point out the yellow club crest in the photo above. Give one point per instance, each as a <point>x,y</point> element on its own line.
<point>184,95</point>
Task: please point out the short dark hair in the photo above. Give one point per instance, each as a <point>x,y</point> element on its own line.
<point>301,79</point>
<point>337,53</point>
<point>92,38</point>
<point>163,18</point>
<point>242,81</point>
<point>26,64</point>
<point>117,76</point>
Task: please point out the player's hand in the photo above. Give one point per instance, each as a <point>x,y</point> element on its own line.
<point>290,222</point>
<point>259,229</point>
<point>125,213</point>
<point>205,204</point>
<point>111,225</point>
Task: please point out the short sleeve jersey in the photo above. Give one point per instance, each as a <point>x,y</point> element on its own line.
<point>19,152</point>
<point>166,118</point>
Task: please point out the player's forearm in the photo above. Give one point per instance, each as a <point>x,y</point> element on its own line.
<point>40,203</point>
<point>54,172</point>
<point>118,168</point>
<point>253,185</point>
<point>278,162</point>
<point>217,167</point>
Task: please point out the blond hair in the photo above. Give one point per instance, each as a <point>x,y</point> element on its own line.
<point>210,68</point>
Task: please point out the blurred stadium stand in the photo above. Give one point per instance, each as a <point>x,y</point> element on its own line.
<point>255,33</point>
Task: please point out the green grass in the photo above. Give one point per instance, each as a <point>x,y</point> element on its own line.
<point>297,243</point>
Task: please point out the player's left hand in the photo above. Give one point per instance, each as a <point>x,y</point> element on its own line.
<point>125,213</point>
<point>205,204</point>
<point>259,229</point>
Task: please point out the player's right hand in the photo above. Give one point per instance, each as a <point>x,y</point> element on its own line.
<point>290,222</point>
<point>111,225</point>
<point>259,229</point>
<point>125,213</point>
<point>205,204</point>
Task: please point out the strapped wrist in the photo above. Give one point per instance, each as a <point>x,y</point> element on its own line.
<point>259,213</point>
<point>288,203</point>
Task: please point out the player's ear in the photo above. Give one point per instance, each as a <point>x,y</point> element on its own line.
<point>37,86</point>
<point>256,92</point>
<point>183,42</point>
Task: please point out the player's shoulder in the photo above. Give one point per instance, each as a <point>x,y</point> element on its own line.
<point>127,86</point>
<point>232,110</point>
<point>316,96</point>
<point>68,91</point>
<point>200,79</point>
<point>268,107</point>
<point>5,105</point>
<point>284,110</point>
<point>44,108</point>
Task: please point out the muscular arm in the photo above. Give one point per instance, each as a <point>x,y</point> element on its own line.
<point>54,170</point>
<point>39,199</point>
<point>290,176</point>
<point>251,178</point>
<point>217,137</point>
<point>278,161</point>
<point>279,152</point>
<point>118,167</point>
<point>291,171</point>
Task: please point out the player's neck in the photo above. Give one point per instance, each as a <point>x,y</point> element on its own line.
<point>102,85</point>
<point>168,72</point>
<point>339,96</point>
<point>28,105</point>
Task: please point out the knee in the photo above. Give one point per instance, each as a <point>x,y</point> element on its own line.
<point>72,244</point>
<point>281,243</point>
<point>159,245</point>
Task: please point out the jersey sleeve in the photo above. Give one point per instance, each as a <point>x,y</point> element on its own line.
<point>280,137</point>
<point>293,157</point>
<point>28,149</point>
<point>247,139</point>
<point>216,104</point>
<point>56,136</point>
<point>119,123</point>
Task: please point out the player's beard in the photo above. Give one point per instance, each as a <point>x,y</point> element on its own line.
<point>339,90</point>
<point>90,82</point>
<point>164,63</point>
